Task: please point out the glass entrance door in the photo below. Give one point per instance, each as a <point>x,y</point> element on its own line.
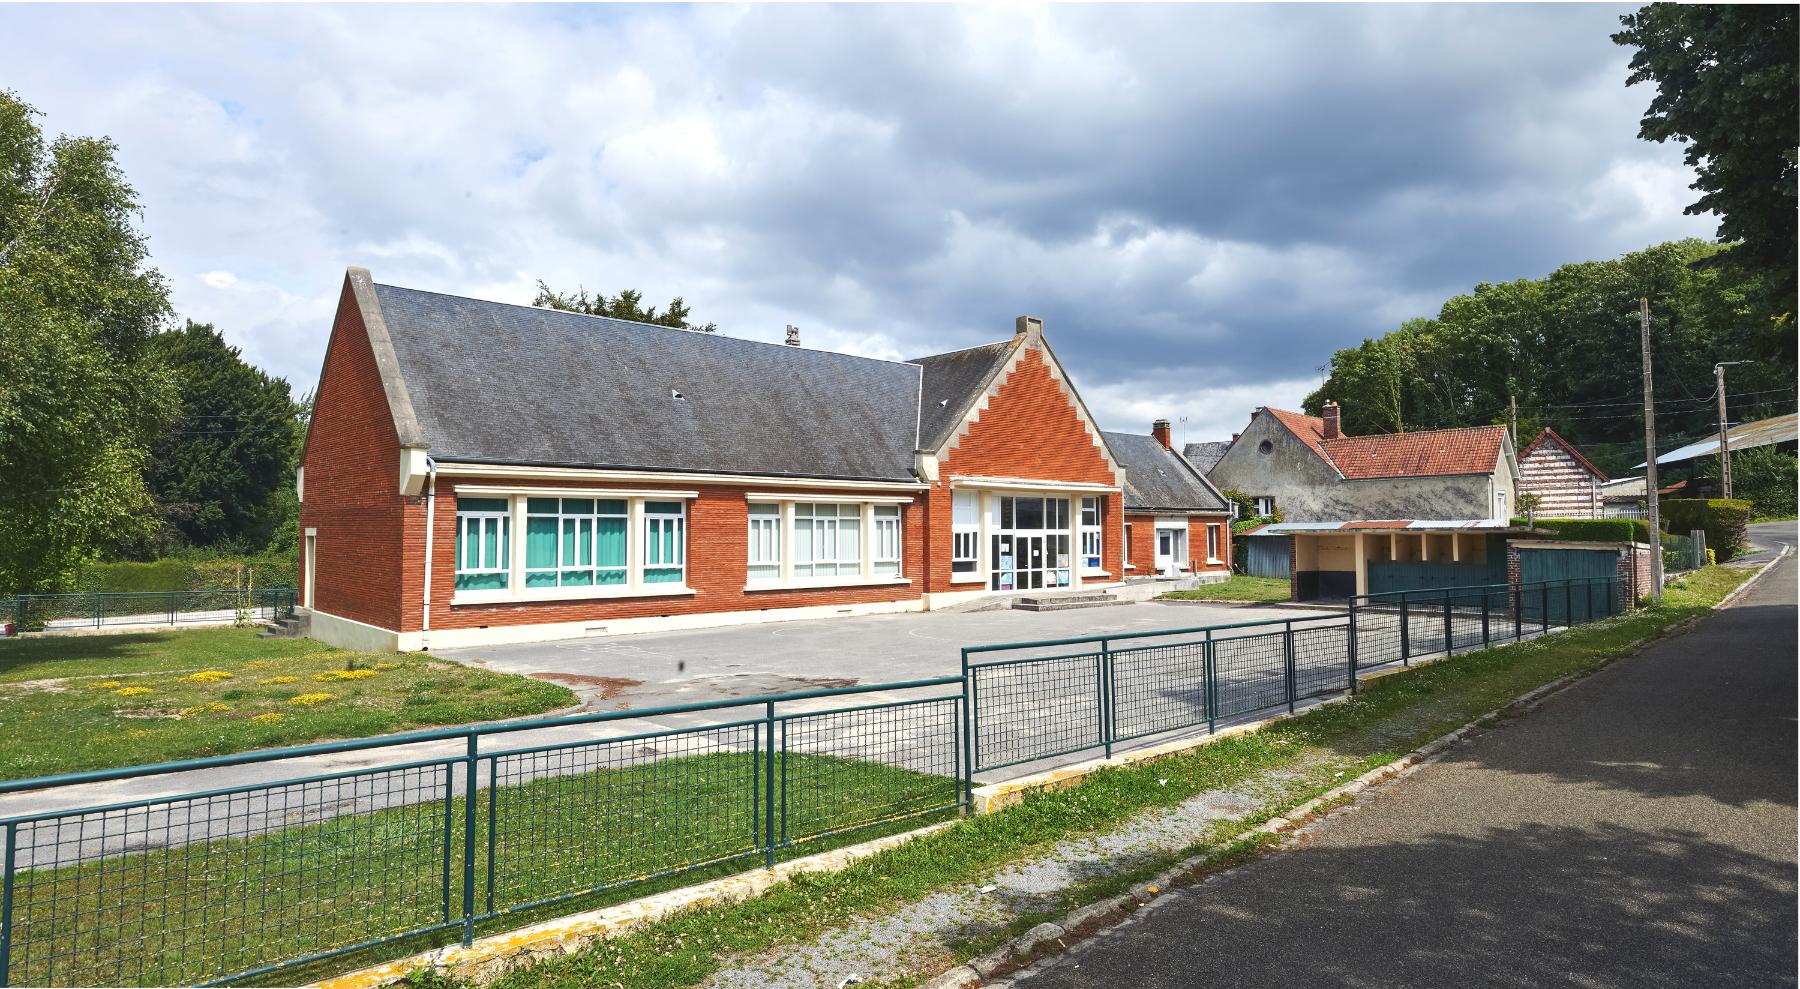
<point>1030,544</point>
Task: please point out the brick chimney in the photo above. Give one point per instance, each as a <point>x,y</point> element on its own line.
<point>1160,430</point>
<point>793,335</point>
<point>1332,421</point>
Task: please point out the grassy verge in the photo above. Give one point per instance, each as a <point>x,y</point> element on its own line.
<point>1239,587</point>
<point>1390,716</point>
<point>267,896</point>
<point>95,702</point>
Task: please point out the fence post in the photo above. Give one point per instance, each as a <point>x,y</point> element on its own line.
<point>449,829</point>
<point>1287,651</point>
<point>1212,686</point>
<point>1569,604</point>
<point>97,611</point>
<point>172,603</point>
<point>1405,633</point>
<point>968,720</point>
<point>1104,686</point>
<point>1515,596</point>
<point>1544,612</point>
<point>1449,633</point>
<point>469,782</point>
<point>1485,637</point>
<point>769,789</point>
<point>6,906</point>
<point>493,819</point>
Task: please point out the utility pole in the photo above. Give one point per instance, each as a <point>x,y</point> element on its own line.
<point>1513,400</point>
<point>1724,427</point>
<point>1656,560</point>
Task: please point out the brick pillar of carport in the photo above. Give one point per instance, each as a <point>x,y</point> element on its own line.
<point>1293,568</point>
<point>1512,576</point>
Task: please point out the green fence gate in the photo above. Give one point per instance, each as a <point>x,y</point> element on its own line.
<point>1539,565</point>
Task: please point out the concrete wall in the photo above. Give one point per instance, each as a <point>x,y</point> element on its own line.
<point>1306,489</point>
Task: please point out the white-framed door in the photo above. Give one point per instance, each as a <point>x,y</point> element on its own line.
<point>1171,550</point>
<point>312,566</point>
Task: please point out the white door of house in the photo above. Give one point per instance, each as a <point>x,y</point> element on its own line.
<point>1171,551</point>
<point>312,564</point>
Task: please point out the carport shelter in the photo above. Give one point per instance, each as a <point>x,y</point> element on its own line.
<point>1334,560</point>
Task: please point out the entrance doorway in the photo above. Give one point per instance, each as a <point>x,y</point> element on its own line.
<point>312,565</point>
<point>1171,550</point>
<point>1030,544</point>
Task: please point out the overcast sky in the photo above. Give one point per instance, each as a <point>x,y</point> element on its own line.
<point>1202,203</point>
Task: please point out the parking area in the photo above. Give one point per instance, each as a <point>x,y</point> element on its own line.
<point>658,668</point>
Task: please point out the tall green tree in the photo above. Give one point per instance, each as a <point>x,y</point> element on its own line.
<point>82,392</point>
<point>1727,87</point>
<point>1566,347</point>
<point>218,472</point>
<point>628,304</point>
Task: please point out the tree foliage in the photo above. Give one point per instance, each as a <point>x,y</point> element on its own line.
<point>217,474</point>
<point>1566,346</point>
<point>1727,88</point>
<point>82,393</point>
<point>628,304</point>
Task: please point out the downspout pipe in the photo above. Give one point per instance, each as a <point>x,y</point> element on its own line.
<point>430,531</point>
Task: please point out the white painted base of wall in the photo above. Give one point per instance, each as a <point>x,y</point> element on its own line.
<point>369,638</point>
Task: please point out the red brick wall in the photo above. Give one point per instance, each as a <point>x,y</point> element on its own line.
<point>1197,542</point>
<point>1143,544</point>
<point>717,567</point>
<point>1030,428</point>
<point>351,491</point>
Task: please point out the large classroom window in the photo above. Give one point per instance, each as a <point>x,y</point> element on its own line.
<point>665,542</point>
<point>1030,544</point>
<point>481,544</point>
<point>827,540</point>
<point>886,541</point>
<point>765,542</point>
<point>575,542</point>
<point>802,543</point>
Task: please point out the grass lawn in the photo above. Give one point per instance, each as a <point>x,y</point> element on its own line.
<point>71,703</point>
<point>130,919</point>
<point>1239,587</point>
<point>1391,715</point>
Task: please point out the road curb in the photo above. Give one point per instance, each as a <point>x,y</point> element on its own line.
<point>1758,575</point>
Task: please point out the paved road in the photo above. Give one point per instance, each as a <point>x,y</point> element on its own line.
<point>1767,538</point>
<point>1637,830</point>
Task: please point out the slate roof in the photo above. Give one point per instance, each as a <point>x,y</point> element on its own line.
<point>507,384</point>
<point>1552,436</point>
<point>952,383</point>
<point>1158,478</point>
<point>1205,456</point>
<point>1426,453</point>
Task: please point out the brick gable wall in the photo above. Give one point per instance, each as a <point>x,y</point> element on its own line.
<point>1568,489</point>
<point>1031,428</point>
<point>351,490</point>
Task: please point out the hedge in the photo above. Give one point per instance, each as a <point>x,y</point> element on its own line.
<point>186,574</point>
<point>1596,530</point>
<point>1722,519</point>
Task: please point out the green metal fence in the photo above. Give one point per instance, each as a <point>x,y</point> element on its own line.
<point>227,884</point>
<point>97,609</point>
<point>461,827</point>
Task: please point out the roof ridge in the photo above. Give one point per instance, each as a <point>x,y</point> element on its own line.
<point>1415,432</point>
<point>953,353</point>
<point>636,322</point>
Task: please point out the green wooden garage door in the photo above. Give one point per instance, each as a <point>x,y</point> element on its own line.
<point>1536,565</point>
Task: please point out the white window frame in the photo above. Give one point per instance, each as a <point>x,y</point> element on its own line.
<point>765,532</point>
<point>879,546</point>
<point>965,537</point>
<point>1213,543</point>
<point>1265,505</point>
<point>654,527</point>
<point>1126,549</point>
<point>828,530</point>
<point>638,527</point>
<point>1091,534</point>
<point>471,529</point>
<point>582,522</point>
<point>886,536</point>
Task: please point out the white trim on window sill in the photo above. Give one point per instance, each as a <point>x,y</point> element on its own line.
<point>1212,562</point>
<point>824,582</point>
<point>968,578</point>
<point>1096,573</point>
<point>572,594</point>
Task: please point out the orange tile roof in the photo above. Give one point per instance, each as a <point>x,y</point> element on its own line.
<point>1429,452</point>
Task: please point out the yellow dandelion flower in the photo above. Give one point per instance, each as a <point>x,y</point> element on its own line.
<point>132,691</point>
<point>312,700</point>
<point>331,675</point>
<point>106,685</point>
<point>269,718</point>
<point>275,680</point>
<point>207,676</point>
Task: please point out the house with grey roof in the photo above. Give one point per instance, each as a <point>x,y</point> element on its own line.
<point>1176,522</point>
<point>478,472</point>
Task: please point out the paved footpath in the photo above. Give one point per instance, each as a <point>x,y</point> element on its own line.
<point>1635,830</point>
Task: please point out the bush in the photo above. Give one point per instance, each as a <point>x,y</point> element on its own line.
<point>186,574</point>
<point>1765,477</point>
<point>1596,530</point>
<point>1723,520</point>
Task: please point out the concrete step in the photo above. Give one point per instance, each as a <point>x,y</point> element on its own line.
<point>295,626</point>
<point>1066,602</point>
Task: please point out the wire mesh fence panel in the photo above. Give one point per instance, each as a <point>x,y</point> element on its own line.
<point>1379,637</point>
<point>843,769</point>
<point>1465,619</point>
<point>1158,688</point>
<point>1250,672</point>
<point>558,821</point>
<point>1320,660</point>
<point>1035,708</point>
<point>100,609</point>
<point>191,889</point>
